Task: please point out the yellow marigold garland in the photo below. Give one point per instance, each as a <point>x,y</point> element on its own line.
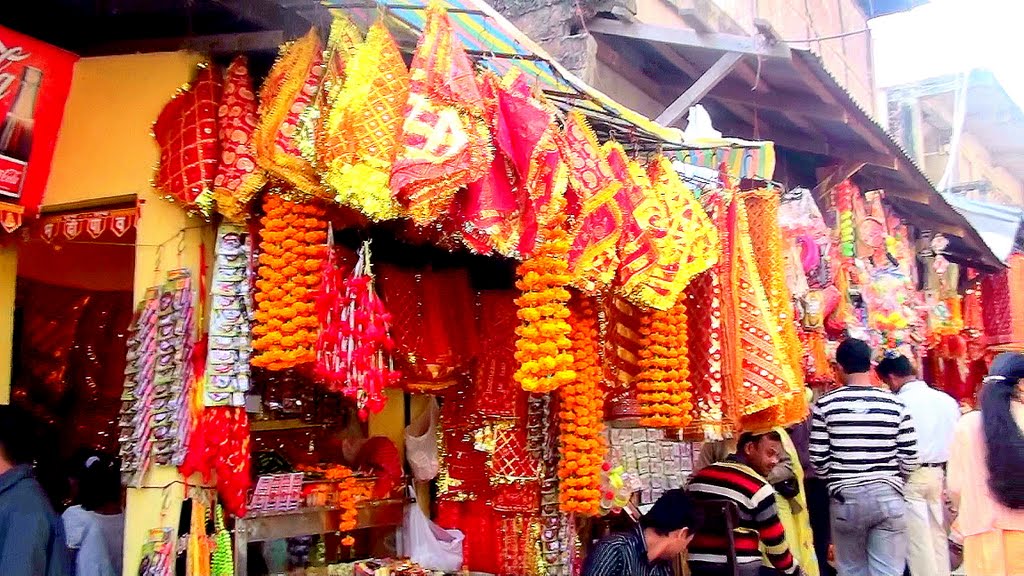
<point>292,251</point>
<point>663,383</point>
<point>581,420</point>
<point>543,345</point>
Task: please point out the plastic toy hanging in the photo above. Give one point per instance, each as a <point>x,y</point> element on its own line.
<point>355,346</point>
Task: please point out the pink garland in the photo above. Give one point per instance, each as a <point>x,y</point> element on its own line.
<point>354,349</point>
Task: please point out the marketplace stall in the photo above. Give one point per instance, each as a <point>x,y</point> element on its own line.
<point>561,304</point>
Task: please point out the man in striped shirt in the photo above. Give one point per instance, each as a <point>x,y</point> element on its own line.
<point>648,549</point>
<point>864,445</point>
<point>741,480</point>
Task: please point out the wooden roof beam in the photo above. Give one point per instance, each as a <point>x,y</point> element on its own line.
<point>631,72</point>
<point>779,103</point>
<point>752,45</point>
<point>267,41</point>
<point>699,89</point>
<point>267,14</point>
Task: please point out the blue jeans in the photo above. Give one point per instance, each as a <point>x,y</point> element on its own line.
<point>869,530</point>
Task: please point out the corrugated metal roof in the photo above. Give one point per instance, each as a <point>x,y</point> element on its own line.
<point>800,106</point>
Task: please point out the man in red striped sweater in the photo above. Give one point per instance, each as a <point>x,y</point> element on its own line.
<point>741,479</point>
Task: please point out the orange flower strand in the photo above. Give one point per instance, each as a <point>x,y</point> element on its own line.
<point>292,251</point>
<point>663,382</point>
<point>543,343</point>
<point>581,420</point>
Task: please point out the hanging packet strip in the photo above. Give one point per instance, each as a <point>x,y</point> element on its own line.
<point>227,363</point>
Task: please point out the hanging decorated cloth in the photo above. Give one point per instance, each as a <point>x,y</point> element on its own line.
<point>763,208</point>
<point>364,126</point>
<point>528,136</point>
<point>597,219</point>
<point>342,42</point>
<point>186,133</point>
<point>692,240</point>
<point>767,380</point>
<point>432,322</point>
<point>709,341</point>
<point>238,176</point>
<point>487,211</point>
<point>638,253</point>
<point>290,87</point>
<point>220,446</point>
<point>623,341</point>
<point>444,145</point>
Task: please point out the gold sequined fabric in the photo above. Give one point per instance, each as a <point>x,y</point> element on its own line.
<point>366,117</point>
<point>289,89</point>
<point>445,143</point>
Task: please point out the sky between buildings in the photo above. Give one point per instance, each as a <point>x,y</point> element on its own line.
<point>950,36</point>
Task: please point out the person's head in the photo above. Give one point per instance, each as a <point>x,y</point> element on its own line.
<point>853,358</point>
<point>760,451</point>
<point>669,525</point>
<point>99,483</point>
<point>896,370</point>
<point>15,434</point>
<point>1004,439</point>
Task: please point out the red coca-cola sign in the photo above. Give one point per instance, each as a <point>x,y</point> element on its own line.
<point>35,79</point>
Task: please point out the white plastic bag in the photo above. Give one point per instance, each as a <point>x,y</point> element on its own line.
<point>421,444</point>
<point>429,545</point>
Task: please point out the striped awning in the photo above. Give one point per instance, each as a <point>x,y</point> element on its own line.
<point>497,44</point>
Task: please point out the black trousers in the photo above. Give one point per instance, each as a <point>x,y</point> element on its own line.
<point>818,509</point>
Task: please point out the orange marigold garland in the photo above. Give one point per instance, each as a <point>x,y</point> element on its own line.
<point>543,345</point>
<point>663,383</point>
<point>581,420</point>
<point>292,252</point>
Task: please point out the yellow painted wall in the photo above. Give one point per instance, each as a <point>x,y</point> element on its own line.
<point>104,150</point>
<point>8,274</point>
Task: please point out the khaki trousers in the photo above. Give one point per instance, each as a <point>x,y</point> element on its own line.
<point>927,542</point>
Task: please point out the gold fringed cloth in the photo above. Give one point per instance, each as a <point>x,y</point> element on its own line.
<point>288,90</point>
<point>186,133</point>
<point>238,177</point>
<point>487,211</point>
<point>366,120</point>
<point>763,208</point>
<point>767,380</point>
<point>624,323</point>
<point>528,135</point>
<point>692,241</point>
<point>342,42</point>
<point>593,255</point>
<point>445,143</point>
<point>710,336</point>
<point>638,254</point>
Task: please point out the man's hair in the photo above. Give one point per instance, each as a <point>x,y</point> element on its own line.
<point>673,511</point>
<point>15,435</point>
<point>751,438</point>
<point>854,356</point>
<point>100,482</point>
<point>898,366</point>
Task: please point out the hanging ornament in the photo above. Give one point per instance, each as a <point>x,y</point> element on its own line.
<point>222,563</point>
<point>354,351</point>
